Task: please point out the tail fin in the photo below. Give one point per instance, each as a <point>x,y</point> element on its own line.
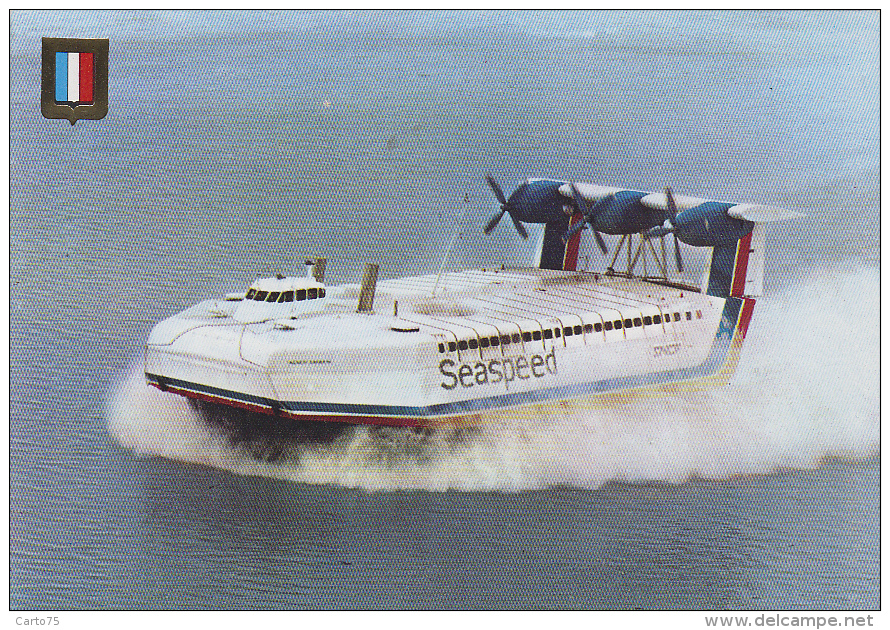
<point>737,270</point>
<point>553,252</point>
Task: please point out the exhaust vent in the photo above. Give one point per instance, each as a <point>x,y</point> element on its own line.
<point>318,268</point>
<point>369,286</point>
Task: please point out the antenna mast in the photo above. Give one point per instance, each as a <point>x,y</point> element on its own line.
<point>453,241</point>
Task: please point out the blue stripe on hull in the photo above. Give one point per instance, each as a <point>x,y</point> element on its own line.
<point>712,364</point>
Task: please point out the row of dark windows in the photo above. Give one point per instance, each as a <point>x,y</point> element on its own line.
<point>568,331</point>
<point>284,296</point>
<point>634,322</point>
<point>506,340</point>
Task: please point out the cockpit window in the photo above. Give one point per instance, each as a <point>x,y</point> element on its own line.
<point>284,296</point>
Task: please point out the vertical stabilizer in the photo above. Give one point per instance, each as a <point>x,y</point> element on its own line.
<point>756,258</point>
<point>737,270</point>
<point>552,252</point>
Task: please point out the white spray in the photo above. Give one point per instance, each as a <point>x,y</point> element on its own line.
<point>807,388</point>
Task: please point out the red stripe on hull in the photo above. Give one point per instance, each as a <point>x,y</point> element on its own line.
<point>570,259</point>
<point>740,273</point>
<point>86,77</point>
<point>390,421</point>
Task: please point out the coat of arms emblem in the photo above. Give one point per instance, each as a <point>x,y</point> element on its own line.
<point>75,79</point>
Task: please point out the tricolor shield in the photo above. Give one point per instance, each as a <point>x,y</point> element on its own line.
<point>75,78</point>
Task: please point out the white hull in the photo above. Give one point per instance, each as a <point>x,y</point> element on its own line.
<point>338,365</point>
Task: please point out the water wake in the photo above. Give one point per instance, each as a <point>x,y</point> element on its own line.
<point>807,388</point>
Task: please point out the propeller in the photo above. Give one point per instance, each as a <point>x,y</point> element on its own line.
<point>669,227</point>
<point>589,214</point>
<point>505,207</point>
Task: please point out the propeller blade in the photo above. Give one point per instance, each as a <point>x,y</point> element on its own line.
<point>519,227</point>
<point>672,205</point>
<point>580,201</point>
<point>660,230</point>
<point>580,225</point>
<point>589,215</point>
<point>494,222</point>
<point>496,188</point>
<point>600,241</point>
<point>677,257</point>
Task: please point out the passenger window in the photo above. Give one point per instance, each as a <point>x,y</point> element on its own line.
<point>557,331</point>
<point>536,335</point>
<point>588,328</point>
<point>628,323</point>
<point>288,296</point>
<point>281,297</point>
<point>577,330</point>
<point>250,294</point>
<point>313,294</point>
<point>568,331</point>
<point>647,320</point>
<point>526,336</point>
<point>301,295</point>
<point>462,344</point>
<point>656,319</point>
<point>473,344</point>
<point>517,338</point>
<point>688,315</point>
<point>667,317</point>
<point>273,297</point>
<point>452,346</point>
<point>598,328</point>
<point>548,334</point>
<point>618,324</point>
<point>676,317</point>
<point>495,340</point>
<point>608,325</point>
<point>261,296</point>
<point>483,343</point>
<point>505,340</point>
<point>321,293</point>
<point>441,347</point>
<point>638,321</point>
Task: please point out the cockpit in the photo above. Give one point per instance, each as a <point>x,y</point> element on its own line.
<point>280,298</point>
<point>259,295</point>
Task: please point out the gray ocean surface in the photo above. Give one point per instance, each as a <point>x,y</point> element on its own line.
<point>237,144</point>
